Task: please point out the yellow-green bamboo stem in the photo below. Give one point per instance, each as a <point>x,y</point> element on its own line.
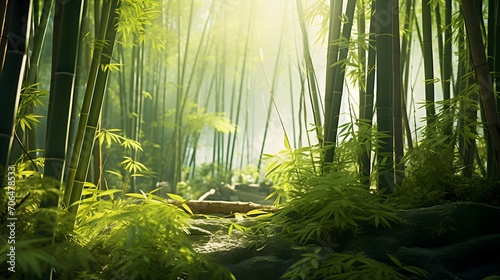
<point>95,109</point>
<point>87,100</point>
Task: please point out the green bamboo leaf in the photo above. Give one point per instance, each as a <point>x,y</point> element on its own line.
<point>27,121</point>
<point>111,67</point>
<point>131,144</point>
<point>420,271</point>
<point>176,197</point>
<point>187,208</point>
<point>147,95</point>
<point>106,192</point>
<point>257,212</point>
<point>115,173</point>
<point>286,143</point>
<point>144,195</point>
<point>376,220</point>
<point>491,277</point>
<point>89,185</point>
<point>395,260</point>
<point>135,195</point>
<point>108,135</point>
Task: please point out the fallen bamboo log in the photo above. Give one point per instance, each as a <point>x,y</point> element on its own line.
<point>223,207</point>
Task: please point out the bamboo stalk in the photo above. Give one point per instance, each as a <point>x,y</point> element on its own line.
<point>272,90</point>
<point>494,172</point>
<point>447,61</point>
<point>95,109</point>
<point>240,91</point>
<point>87,101</point>
<point>384,88</point>
<point>406,45</point>
<point>367,110</point>
<point>12,76</point>
<point>338,85</point>
<point>38,41</point>
<point>494,65</point>
<point>61,93</point>
<point>5,16</point>
<point>317,110</point>
<point>362,58</point>
<point>428,61</point>
<point>397,98</point>
<point>483,76</point>
<point>331,62</point>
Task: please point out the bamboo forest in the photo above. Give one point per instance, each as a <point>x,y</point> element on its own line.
<point>250,139</point>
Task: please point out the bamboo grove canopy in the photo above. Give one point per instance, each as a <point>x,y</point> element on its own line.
<point>127,93</point>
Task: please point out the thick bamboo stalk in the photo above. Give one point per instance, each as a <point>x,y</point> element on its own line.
<point>87,100</point>
<point>406,46</point>
<point>334,105</point>
<point>38,40</point>
<point>494,65</point>
<point>493,173</point>
<point>384,89</point>
<point>61,93</point>
<point>331,61</point>
<point>95,110</point>
<point>12,76</point>
<point>367,110</point>
<point>483,76</point>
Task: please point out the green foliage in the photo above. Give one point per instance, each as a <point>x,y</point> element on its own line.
<point>31,98</point>
<point>145,239</point>
<point>331,204</point>
<point>289,169</point>
<point>321,207</point>
<point>138,238</point>
<point>350,266</point>
<point>194,122</point>
<point>111,136</point>
<point>128,166</point>
<point>135,16</point>
<point>434,167</point>
<point>492,277</point>
<point>35,254</point>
